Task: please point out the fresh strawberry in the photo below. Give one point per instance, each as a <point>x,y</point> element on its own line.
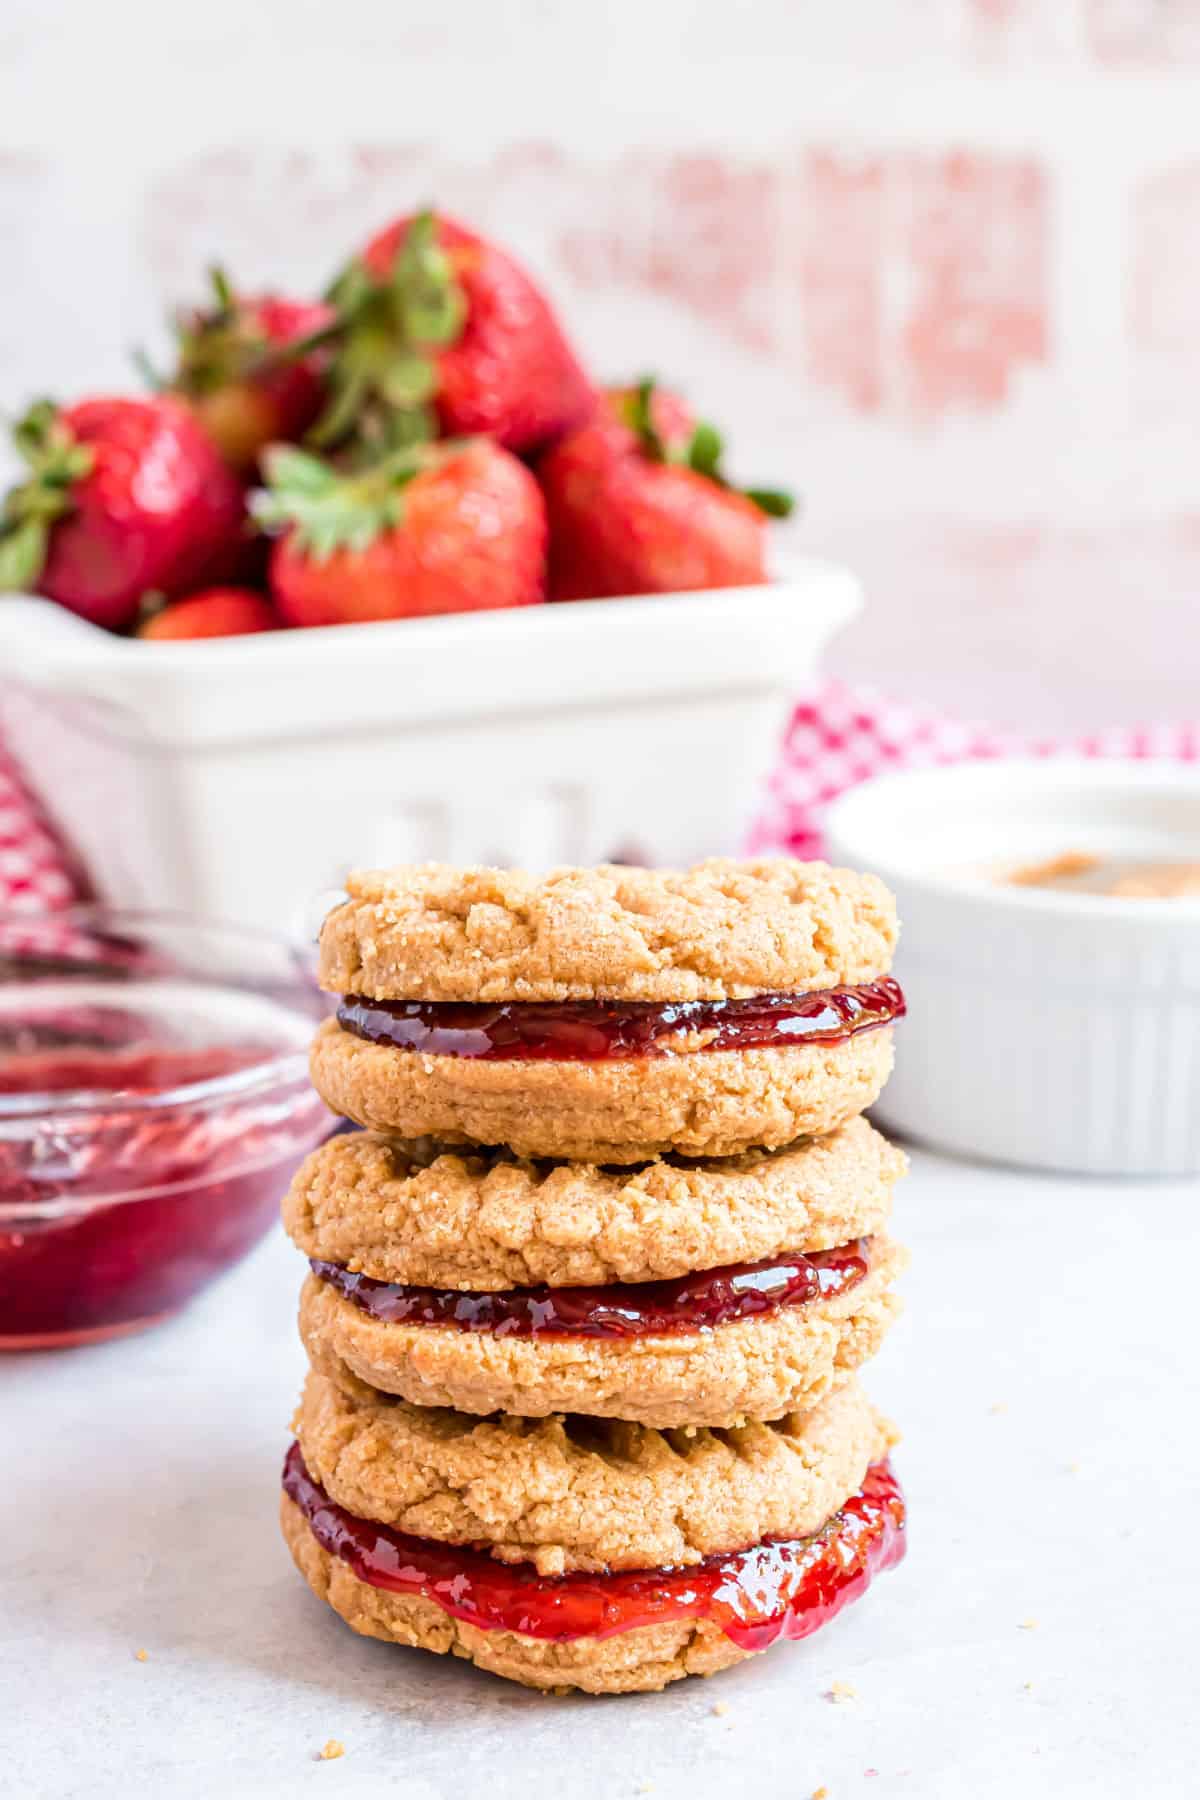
<point>441,330</point>
<point>213,613</point>
<point>637,504</point>
<point>437,528</point>
<point>252,369</point>
<point>124,496</point>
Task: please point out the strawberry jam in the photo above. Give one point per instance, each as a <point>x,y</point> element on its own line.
<point>774,1590</point>
<point>137,1070</point>
<point>612,1030</point>
<point>623,1310</point>
<point>135,1165</point>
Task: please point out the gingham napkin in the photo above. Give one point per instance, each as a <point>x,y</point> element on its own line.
<point>37,872</point>
<point>838,736</point>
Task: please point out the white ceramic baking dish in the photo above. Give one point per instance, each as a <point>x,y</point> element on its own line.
<point>1057,1030</point>
<point>241,778</point>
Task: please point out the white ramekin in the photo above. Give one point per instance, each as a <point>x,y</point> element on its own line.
<point>1050,1029</point>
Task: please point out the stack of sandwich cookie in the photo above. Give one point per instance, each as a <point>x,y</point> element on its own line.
<point>586,1298</point>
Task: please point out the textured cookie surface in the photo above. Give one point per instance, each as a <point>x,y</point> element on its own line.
<point>637,1661</point>
<point>716,931</point>
<point>756,1368</point>
<point>570,1493</point>
<point>711,1103</point>
<point>438,1218</point>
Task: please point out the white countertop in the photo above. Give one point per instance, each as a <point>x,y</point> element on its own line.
<point>1040,1639</point>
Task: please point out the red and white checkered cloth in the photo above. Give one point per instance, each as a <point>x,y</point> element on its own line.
<point>37,873</point>
<point>838,736</point>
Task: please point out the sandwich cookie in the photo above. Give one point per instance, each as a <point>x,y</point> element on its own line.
<point>612,1014</point>
<point>671,1293</point>
<point>568,1553</point>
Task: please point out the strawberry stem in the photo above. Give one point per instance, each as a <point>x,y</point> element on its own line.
<point>324,509</point>
<point>637,411</point>
<point>222,288</point>
<point>55,463</point>
<point>777,503</point>
<point>701,453</point>
<point>388,329</point>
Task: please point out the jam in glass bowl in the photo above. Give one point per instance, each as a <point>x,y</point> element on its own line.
<point>154,1100</point>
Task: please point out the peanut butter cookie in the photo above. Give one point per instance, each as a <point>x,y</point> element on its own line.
<point>720,930</point>
<point>708,1103</point>
<point>571,1493</point>
<point>418,1212</point>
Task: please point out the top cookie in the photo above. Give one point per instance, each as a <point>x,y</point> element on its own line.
<point>719,931</point>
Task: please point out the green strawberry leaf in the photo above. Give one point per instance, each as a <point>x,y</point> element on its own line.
<point>294,471</point>
<point>401,430</point>
<point>23,555</point>
<point>775,502</point>
<point>223,292</point>
<point>350,290</point>
<point>325,510</point>
<point>704,452</point>
<point>277,356</point>
<point>638,411</point>
<point>34,433</point>
<point>56,462</point>
<point>408,381</point>
<point>431,306</point>
<point>348,391</point>
<point>384,374</point>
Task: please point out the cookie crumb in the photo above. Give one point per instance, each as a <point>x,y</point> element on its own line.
<point>140,1656</point>
<point>1028,1625</point>
<point>330,1750</point>
<point>840,1692</point>
<point>720,1708</point>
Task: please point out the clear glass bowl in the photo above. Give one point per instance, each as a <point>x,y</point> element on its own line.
<point>154,1100</point>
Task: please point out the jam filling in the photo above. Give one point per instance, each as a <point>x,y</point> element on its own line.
<point>622,1310</point>
<point>774,1590</point>
<point>618,1030</point>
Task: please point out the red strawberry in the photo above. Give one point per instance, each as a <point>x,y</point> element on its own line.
<point>441,329</point>
<point>438,528</point>
<point>637,505</point>
<point>245,372</point>
<point>213,613</point>
<point>123,497</point>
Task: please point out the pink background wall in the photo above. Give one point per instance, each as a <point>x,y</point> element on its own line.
<point>936,264</point>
